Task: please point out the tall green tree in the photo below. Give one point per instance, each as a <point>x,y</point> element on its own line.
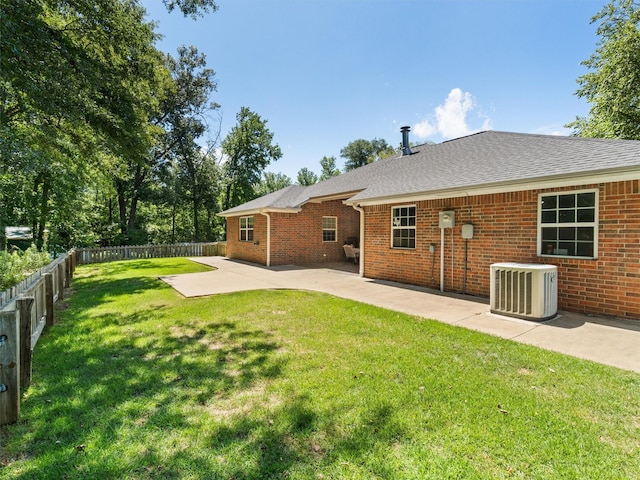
<point>272,182</point>
<point>329,168</point>
<point>77,79</point>
<point>81,82</point>
<point>612,87</point>
<point>200,178</point>
<point>248,148</point>
<point>180,121</point>
<point>306,177</point>
<point>88,63</point>
<point>362,152</point>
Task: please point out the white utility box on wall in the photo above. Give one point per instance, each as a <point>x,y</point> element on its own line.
<point>524,290</point>
<point>446,219</point>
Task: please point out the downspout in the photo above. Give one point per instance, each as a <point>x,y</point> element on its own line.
<point>361,262</point>
<point>266,214</point>
<point>441,259</point>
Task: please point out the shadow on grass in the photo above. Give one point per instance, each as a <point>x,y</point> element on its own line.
<point>128,277</point>
<point>105,406</point>
<point>304,440</point>
<point>193,389</point>
<point>132,395</point>
<point>94,293</point>
<point>101,393</point>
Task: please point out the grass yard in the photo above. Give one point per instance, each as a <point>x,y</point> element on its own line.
<point>136,382</point>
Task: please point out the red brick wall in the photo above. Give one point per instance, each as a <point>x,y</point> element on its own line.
<point>255,251</point>
<point>505,230</point>
<point>296,238</point>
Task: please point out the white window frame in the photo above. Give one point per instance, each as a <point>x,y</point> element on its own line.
<point>575,224</point>
<point>396,224</point>
<point>246,229</point>
<point>333,229</point>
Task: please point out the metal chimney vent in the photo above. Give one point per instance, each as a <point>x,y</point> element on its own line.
<point>406,149</point>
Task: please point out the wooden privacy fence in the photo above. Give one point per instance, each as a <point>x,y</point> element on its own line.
<point>28,307</point>
<point>112,254</point>
<point>24,312</point>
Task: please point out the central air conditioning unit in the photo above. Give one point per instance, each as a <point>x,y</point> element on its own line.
<point>528,291</point>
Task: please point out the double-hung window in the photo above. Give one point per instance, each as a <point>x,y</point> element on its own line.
<point>568,224</point>
<point>403,227</point>
<point>246,229</point>
<point>329,229</point>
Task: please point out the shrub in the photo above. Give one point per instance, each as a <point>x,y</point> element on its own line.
<point>18,265</point>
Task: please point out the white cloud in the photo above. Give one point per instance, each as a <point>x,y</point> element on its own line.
<point>450,118</point>
<point>424,129</point>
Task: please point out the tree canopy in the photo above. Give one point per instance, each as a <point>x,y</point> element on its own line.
<point>306,177</point>
<point>191,8</point>
<point>612,86</point>
<point>329,169</point>
<point>362,152</point>
<point>248,148</point>
<point>90,110</point>
<point>272,182</point>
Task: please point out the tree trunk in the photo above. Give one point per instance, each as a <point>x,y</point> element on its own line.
<point>33,204</point>
<point>138,182</point>
<point>227,197</point>
<point>196,223</point>
<point>44,212</point>
<point>133,211</point>
<point>122,206</point>
<point>173,223</point>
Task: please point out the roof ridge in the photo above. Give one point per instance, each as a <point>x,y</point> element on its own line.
<point>552,136</point>
<point>465,136</point>
<point>484,158</point>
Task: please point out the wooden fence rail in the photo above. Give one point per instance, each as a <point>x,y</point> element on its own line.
<point>27,308</point>
<point>111,254</point>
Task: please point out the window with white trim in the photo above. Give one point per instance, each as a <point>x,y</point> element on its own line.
<point>403,227</point>
<point>568,224</point>
<point>246,229</point>
<point>329,229</point>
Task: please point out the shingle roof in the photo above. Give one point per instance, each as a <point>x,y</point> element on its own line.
<point>282,199</point>
<point>475,161</point>
<point>491,158</point>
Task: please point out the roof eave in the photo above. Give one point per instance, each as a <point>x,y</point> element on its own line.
<point>258,211</point>
<point>335,196</point>
<point>557,181</point>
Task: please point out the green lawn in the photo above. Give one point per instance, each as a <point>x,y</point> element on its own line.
<point>136,382</point>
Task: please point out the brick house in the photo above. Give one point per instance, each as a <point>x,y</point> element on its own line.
<point>566,201</point>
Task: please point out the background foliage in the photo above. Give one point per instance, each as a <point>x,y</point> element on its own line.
<point>106,140</point>
<point>18,265</point>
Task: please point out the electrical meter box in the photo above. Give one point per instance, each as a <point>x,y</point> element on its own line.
<point>446,219</point>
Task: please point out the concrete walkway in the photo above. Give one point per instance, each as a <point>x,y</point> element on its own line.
<point>607,341</point>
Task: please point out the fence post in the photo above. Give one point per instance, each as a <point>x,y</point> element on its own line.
<point>67,271</point>
<point>23,305</point>
<point>9,368</point>
<point>74,262</point>
<point>61,281</point>
<point>48,298</point>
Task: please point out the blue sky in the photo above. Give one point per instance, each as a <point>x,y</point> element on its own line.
<point>326,72</point>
